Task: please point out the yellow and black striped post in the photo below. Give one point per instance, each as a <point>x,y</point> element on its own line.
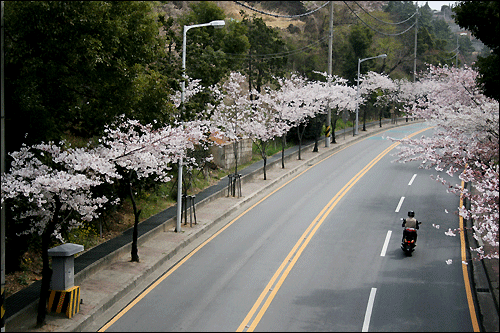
<point>2,309</point>
<point>328,131</point>
<point>67,301</point>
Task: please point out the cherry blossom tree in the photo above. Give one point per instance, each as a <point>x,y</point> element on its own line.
<point>193,87</point>
<point>142,151</point>
<point>334,94</point>
<point>228,114</point>
<point>295,104</point>
<point>262,123</point>
<point>49,187</point>
<point>379,86</point>
<point>402,94</point>
<point>465,142</point>
<point>199,156</point>
<point>286,99</point>
<point>318,103</point>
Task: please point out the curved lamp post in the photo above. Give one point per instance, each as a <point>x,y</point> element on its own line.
<point>357,88</point>
<point>217,24</point>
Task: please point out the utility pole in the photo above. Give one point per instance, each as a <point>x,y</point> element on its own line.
<point>415,54</point>
<point>2,170</point>
<point>330,49</point>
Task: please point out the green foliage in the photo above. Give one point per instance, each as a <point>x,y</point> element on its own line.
<point>72,66</point>
<point>235,44</point>
<point>211,54</point>
<point>436,44</point>
<point>154,200</point>
<point>264,42</point>
<point>23,279</point>
<point>441,29</point>
<point>482,19</point>
<point>86,235</point>
<point>489,69</point>
<point>403,9</point>
<point>360,40</point>
<point>205,58</point>
<point>340,125</point>
<point>272,147</point>
<point>151,98</point>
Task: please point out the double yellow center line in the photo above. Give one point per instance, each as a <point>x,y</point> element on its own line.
<point>271,289</point>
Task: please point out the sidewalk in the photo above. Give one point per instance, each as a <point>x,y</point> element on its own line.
<point>109,281</point>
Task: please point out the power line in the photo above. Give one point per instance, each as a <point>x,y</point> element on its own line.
<point>369,26</point>
<point>454,56</point>
<point>376,18</point>
<point>276,55</point>
<point>285,16</point>
<point>285,54</point>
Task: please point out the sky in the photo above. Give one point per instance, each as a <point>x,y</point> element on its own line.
<point>436,4</point>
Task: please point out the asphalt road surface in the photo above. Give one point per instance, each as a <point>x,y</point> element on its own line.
<point>322,253</point>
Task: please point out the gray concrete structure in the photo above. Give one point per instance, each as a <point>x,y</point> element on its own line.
<point>63,265</point>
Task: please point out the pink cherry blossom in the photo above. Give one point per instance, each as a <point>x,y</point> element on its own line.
<point>465,142</point>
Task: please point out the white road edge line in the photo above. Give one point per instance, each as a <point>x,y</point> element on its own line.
<point>369,309</point>
<point>399,205</point>
<point>412,179</point>
<point>386,243</point>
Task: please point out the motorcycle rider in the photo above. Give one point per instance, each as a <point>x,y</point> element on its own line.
<point>412,224</point>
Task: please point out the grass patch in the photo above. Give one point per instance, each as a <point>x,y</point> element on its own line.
<point>86,235</point>
<point>339,125</point>
<point>273,147</point>
<point>153,202</point>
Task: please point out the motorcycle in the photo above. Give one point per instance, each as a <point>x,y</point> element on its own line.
<point>409,240</point>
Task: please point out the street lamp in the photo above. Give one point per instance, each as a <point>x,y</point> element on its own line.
<point>357,88</point>
<point>216,24</point>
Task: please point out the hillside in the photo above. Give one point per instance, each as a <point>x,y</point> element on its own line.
<point>232,10</point>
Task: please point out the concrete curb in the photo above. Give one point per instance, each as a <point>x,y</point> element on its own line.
<point>484,281</point>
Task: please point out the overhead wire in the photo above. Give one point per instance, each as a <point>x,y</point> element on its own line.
<point>277,15</point>
<point>454,56</point>
<point>376,18</point>
<point>288,53</point>
<point>369,26</point>
<point>277,55</point>
<point>280,54</point>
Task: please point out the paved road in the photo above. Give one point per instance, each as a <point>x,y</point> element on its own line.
<point>322,253</point>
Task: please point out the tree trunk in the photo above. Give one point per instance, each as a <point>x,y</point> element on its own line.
<point>301,135</point>
<point>235,150</point>
<point>265,162</point>
<point>250,73</point>
<point>300,140</point>
<point>315,149</point>
<point>283,143</point>
<point>354,124</point>
<point>334,123</point>
<point>364,119</point>
<point>316,134</point>
<point>46,270</point>
<point>263,146</point>
<point>134,252</point>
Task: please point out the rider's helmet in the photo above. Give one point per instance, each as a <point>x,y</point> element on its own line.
<point>411,213</point>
